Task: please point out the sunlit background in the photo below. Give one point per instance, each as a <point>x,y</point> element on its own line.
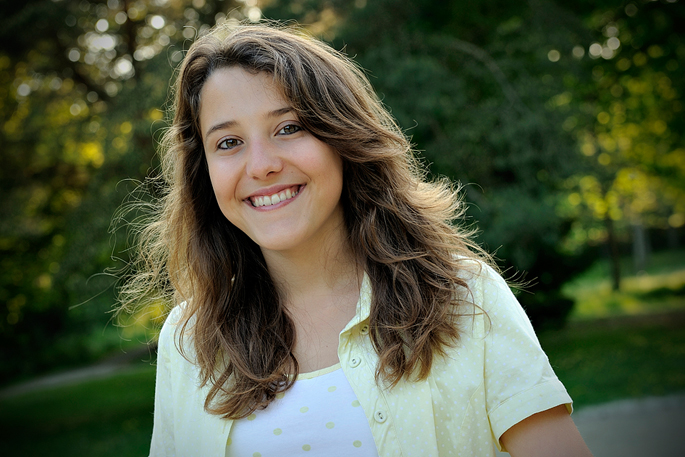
<point>563,121</point>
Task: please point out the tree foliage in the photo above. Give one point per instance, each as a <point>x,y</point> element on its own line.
<point>566,116</point>
<point>630,123</point>
<point>83,87</point>
<point>562,120</point>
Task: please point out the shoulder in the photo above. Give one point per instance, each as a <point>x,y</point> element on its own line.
<point>492,299</point>
<point>482,281</point>
<point>175,331</point>
<point>171,323</point>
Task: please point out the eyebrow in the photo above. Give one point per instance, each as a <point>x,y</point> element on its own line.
<point>224,125</point>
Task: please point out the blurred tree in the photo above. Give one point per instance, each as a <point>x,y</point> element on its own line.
<point>563,120</point>
<point>472,84</point>
<point>81,88</point>
<point>629,127</point>
<point>553,110</point>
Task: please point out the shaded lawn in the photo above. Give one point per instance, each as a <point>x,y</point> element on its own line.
<point>113,417</point>
<point>600,363</point>
<point>661,288</point>
<point>104,417</point>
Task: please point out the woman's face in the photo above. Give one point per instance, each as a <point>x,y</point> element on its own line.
<point>272,179</point>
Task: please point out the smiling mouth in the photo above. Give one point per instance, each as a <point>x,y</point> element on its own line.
<point>270,200</point>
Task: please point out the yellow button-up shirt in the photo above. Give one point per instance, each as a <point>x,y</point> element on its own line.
<point>496,376</point>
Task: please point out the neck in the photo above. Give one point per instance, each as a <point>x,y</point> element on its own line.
<point>320,269</point>
<point>320,288</point>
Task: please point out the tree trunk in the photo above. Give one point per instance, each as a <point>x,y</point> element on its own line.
<point>673,242</point>
<point>614,255</point>
<point>640,248</point>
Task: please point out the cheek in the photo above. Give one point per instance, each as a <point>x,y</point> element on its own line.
<point>329,162</point>
<point>332,177</point>
<point>223,184</point>
<point>335,168</point>
<point>215,183</point>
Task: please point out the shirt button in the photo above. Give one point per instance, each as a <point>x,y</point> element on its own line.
<point>380,416</point>
<point>355,361</point>
<point>364,330</point>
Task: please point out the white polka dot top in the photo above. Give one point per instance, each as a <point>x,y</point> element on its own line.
<point>319,416</point>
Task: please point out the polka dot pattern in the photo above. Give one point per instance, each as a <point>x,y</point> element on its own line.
<point>319,416</point>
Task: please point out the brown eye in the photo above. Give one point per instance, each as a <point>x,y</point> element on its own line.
<point>229,143</point>
<point>290,129</point>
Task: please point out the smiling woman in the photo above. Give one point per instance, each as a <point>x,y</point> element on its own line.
<point>326,303</point>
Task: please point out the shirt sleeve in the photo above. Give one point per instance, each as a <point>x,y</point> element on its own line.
<point>163,429</point>
<point>519,380</point>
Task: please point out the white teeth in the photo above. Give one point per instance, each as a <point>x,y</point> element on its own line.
<point>275,198</point>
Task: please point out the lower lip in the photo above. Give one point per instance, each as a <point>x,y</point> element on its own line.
<point>279,204</point>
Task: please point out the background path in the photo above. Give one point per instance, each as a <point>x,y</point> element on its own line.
<point>131,359</point>
<point>647,427</point>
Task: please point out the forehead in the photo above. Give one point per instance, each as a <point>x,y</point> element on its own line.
<point>232,94</point>
<point>230,77</point>
<point>236,83</point>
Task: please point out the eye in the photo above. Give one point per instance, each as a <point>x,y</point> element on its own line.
<point>290,129</point>
<point>229,143</point>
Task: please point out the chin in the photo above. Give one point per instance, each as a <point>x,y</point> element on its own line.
<point>276,244</point>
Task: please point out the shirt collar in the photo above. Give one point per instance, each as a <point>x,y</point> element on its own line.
<point>363,305</point>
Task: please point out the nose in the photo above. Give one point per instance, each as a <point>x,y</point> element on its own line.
<point>263,159</point>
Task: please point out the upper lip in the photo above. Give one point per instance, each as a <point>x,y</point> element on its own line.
<point>269,191</point>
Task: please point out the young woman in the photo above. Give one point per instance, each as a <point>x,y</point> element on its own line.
<point>326,305</point>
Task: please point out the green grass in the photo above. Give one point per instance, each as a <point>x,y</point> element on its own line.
<point>113,417</point>
<point>660,288</point>
<point>104,417</point>
<point>597,363</point>
<point>610,350</point>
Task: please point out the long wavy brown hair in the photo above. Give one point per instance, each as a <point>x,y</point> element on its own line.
<point>401,228</point>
